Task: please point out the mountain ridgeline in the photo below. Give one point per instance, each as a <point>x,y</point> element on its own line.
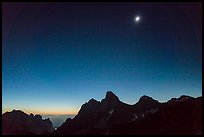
<point>181,115</point>
<point>17,122</point>
<point>110,116</point>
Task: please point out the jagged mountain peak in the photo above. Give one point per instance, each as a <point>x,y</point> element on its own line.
<point>17,111</point>
<point>92,101</point>
<point>185,97</point>
<point>111,96</point>
<point>89,107</point>
<point>109,102</point>
<point>146,98</point>
<point>180,99</point>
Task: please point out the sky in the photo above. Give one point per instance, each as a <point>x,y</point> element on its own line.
<point>57,56</point>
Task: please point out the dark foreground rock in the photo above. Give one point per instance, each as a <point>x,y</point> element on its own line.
<point>17,122</point>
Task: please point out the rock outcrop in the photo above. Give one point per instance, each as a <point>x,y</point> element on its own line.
<point>17,122</point>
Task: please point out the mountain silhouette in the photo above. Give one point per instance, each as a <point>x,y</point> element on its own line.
<point>181,115</point>
<point>110,116</point>
<point>17,122</point>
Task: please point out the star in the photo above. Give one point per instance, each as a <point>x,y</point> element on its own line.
<point>137,18</point>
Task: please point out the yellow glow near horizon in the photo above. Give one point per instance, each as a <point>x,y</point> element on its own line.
<point>43,112</point>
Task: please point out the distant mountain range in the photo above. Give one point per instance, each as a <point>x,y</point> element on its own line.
<point>17,122</point>
<point>110,116</point>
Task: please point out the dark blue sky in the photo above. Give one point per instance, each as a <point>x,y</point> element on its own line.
<point>56,56</point>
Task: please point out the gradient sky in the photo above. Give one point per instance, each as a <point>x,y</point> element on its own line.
<point>57,56</point>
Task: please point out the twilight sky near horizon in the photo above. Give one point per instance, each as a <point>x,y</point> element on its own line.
<point>57,56</point>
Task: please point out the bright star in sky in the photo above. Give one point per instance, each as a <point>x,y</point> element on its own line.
<point>137,18</point>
